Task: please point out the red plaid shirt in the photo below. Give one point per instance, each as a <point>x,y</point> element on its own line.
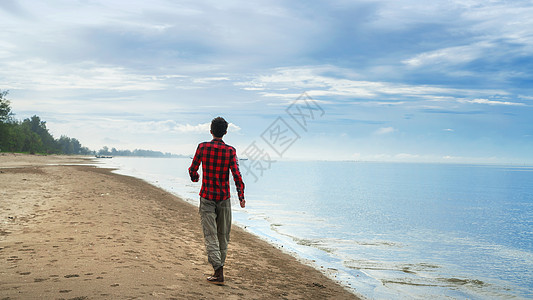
<point>217,159</point>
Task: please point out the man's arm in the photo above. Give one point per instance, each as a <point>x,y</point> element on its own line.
<point>239,184</point>
<point>193,169</point>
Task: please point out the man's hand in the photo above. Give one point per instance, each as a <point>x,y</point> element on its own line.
<point>243,203</point>
<point>194,176</point>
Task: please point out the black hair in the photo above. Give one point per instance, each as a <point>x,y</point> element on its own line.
<point>219,127</point>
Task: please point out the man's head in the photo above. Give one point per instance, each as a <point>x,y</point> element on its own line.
<point>219,127</point>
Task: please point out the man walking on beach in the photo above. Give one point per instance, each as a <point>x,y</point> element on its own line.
<point>217,160</point>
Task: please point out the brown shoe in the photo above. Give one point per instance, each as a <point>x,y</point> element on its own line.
<point>218,277</point>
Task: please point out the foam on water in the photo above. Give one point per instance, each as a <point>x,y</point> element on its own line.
<point>395,231</point>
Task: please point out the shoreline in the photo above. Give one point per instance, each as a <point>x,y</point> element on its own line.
<point>69,230</point>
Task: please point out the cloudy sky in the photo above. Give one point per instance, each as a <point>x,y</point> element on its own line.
<point>446,81</point>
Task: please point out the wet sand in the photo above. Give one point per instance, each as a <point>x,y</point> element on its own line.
<point>80,232</point>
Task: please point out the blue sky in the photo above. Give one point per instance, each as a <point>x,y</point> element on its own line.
<point>440,81</point>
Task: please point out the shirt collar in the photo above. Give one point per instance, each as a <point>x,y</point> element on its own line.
<point>217,141</point>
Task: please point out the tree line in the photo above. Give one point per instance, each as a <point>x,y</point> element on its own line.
<point>31,135</point>
<point>105,151</point>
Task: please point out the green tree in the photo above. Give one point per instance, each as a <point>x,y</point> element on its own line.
<point>31,142</point>
<point>5,120</point>
<point>76,146</point>
<point>65,145</point>
<point>14,139</point>
<point>70,146</point>
<point>5,109</point>
<point>104,151</point>
<point>86,151</point>
<point>49,144</point>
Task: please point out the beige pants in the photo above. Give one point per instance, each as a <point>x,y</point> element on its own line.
<point>216,223</point>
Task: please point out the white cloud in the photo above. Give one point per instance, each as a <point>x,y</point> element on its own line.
<point>379,103</point>
<point>187,128</point>
<point>451,158</point>
<point>525,97</point>
<point>173,126</point>
<point>492,102</point>
<point>210,79</point>
<point>317,82</point>
<point>385,130</point>
<point>39,74</point>
<point>450,55</point>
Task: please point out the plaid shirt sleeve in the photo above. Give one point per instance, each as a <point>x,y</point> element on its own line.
<point>193,169</point>
<point>239,184</point>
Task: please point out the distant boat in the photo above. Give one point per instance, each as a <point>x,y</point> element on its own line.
<point>103,156</point>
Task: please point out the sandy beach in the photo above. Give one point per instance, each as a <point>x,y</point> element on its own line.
<point>70,231</point>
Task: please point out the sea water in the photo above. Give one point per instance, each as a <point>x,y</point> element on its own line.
<point>386,230</point>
